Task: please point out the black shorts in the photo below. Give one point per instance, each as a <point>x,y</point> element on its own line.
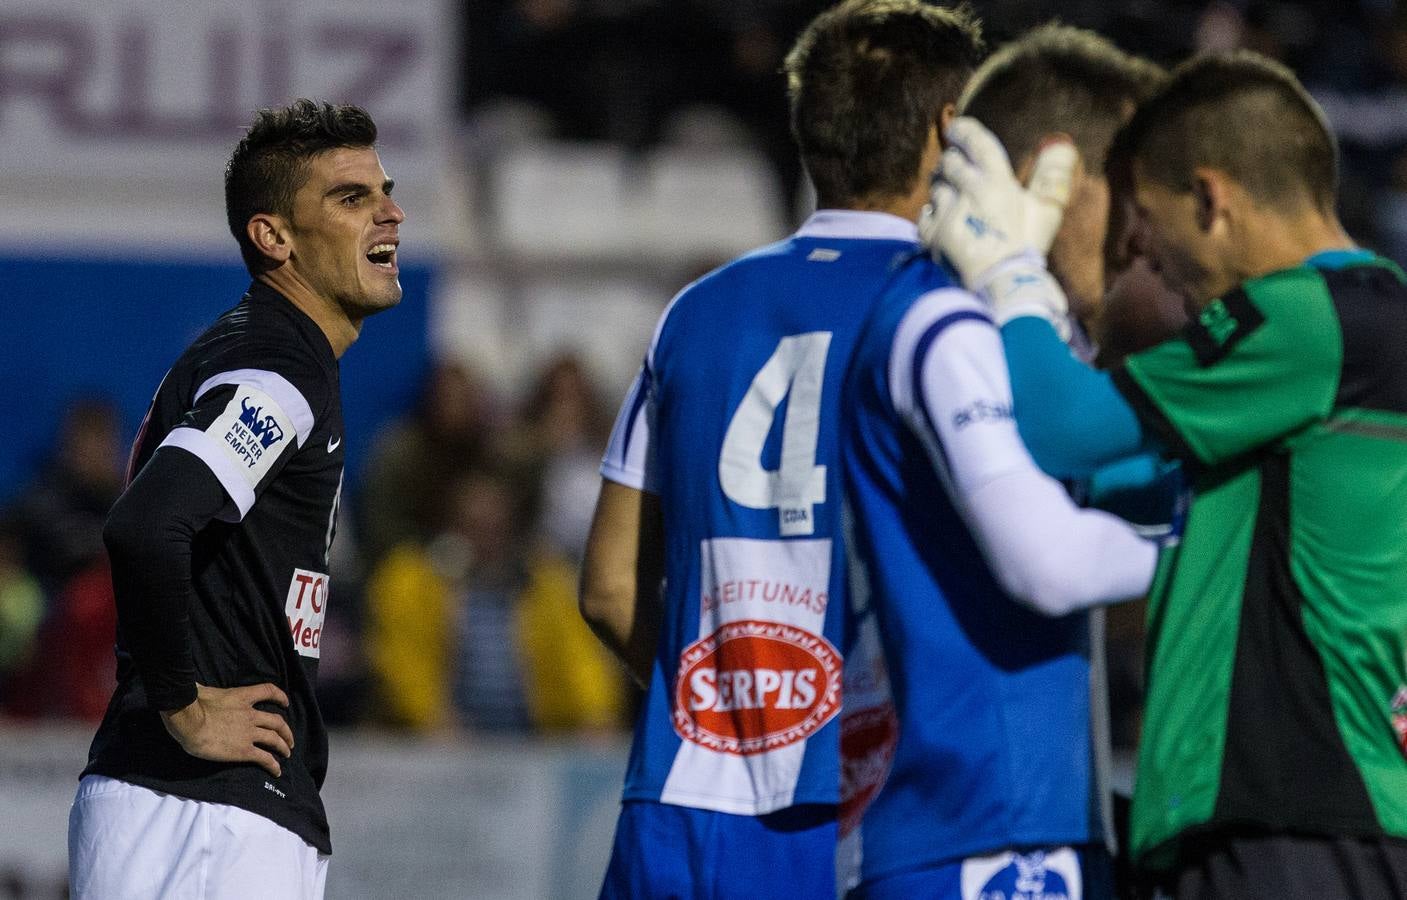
<point>1263,866</point>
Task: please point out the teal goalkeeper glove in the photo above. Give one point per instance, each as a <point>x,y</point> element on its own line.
<point>995,232</point>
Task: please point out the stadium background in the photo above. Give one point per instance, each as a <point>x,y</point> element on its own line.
<point>566,166</point>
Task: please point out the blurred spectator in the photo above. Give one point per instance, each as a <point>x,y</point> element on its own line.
<point>409,640</point>
<point>412,461</point>
<point>21,609</point>
<point>71,671</point>
<point>483,549</point>
<point>481,627</point>
<point>60,515</point>
<point>558,447</point>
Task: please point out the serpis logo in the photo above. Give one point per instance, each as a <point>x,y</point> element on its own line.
<point>755,686</point>
<point>265,428</point>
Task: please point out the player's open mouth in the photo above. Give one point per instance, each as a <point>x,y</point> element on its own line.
<point>382,256</point>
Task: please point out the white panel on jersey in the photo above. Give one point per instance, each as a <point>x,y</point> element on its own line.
<point>760,679</point>
<point>1039,875</point>
<point>627,458</point>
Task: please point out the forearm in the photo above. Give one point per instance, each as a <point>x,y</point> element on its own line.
<point>1044,551</point>
<point>148,537</point>
<point>1049,554</point>
<point>622,576</point>
<point>1071,417</point>
<point>628,628</point>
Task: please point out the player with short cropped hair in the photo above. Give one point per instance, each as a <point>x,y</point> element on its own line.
<point>203,778</point>
<point>1272,761</point>
<point>1058,80</point>
<point>714,566</point>
<point>958,535</point>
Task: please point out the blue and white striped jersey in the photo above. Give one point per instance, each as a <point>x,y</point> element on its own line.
<point>995,745</point>
<point>734,422</point>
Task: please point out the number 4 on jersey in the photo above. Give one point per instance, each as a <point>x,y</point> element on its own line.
<point>795,372</point>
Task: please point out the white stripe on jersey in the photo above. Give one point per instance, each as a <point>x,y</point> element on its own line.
<point>627,459</point>
<point>288,397</point>
<point>225,468</point>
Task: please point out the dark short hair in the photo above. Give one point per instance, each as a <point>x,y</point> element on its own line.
<point>1247,116</point>
<point>1118,168</point>
<point>270,163</point>
<point>1056,78</point>
<point>867,80</point>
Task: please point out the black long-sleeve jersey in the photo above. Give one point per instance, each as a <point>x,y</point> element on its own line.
<point>255,400</point>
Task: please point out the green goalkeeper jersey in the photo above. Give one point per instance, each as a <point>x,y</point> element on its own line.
<point>1277,690</point>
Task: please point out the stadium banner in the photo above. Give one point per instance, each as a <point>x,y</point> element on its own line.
<point>116,118</point>
<point>409,819</point>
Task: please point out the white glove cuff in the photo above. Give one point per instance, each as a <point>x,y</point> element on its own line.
<point>1021,286</point>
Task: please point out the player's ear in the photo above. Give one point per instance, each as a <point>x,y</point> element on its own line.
<point>269,233</point>
<point>945,118</point>
<point>1211,196</point>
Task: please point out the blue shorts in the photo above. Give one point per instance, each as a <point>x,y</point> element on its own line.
<point>1060,873</point>
<point>666,852</point>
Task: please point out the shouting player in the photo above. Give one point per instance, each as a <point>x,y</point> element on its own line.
<point>203,778</point>
<point>714,567</point>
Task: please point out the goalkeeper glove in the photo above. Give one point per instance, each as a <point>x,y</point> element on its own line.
<point>995,232</point>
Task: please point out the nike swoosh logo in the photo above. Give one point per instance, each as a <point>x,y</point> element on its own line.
<point>333,444</point>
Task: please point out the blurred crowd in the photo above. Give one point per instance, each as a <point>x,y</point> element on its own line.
<point>454,568</point>
<point>456,560</point>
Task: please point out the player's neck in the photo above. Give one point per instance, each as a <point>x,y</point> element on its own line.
<point>1284,242</point>
<point>340,330</point>
<point>907,207</point>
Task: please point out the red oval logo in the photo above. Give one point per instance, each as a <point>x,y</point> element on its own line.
<point>867,740</point>
<point>755,686</point>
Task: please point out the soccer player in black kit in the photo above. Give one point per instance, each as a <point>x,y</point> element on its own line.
<point>203,778</point>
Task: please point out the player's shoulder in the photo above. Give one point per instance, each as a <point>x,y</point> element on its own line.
<point>922,297</point>
<point>940,314</point>
<point>690,311</point>
<point>941,307</point>
<point>260,341</point>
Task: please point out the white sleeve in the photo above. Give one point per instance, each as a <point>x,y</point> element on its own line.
<point>629,460</point>
<point>948,380</point>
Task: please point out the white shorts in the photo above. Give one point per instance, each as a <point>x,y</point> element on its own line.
<point>131,843</point>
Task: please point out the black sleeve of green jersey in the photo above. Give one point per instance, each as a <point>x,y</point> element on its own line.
<point>148,536</point>
<point>1251,369</point>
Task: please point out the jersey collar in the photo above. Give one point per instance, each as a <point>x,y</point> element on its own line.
<point>854,223</point>
<point>1339,259</point>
